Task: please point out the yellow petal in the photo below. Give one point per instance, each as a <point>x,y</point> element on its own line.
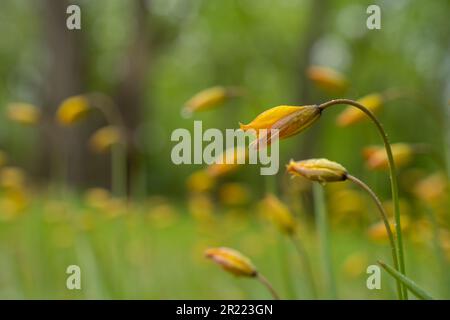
<point>327,79</point>
<point>321,170</point>
<point>210,98</point>
<point>200,181</point>
<point>232,261</point>
<point>23,113</point>
<point>104,138</point>
<point>352,115</point>
<point>377,159</point>
<point>289,120</point>
<point>234,194</point>
<point>72,110</point>
<point>278,213</point>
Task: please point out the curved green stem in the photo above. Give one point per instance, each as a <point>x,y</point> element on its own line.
<point>384,217</point>
<point>306,263</point>
<point>392,173</point>
<point>267,284</point>
<point>323,232</point>
<point>118,156</point>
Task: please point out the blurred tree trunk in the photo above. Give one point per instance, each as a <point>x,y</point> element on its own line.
<point>132,84</point>
<point>313,31</point>
<point>64,73</point>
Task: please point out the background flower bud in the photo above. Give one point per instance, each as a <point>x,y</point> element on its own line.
<point>321,170</point>
<point>72,110</point>
<point>232,261</point>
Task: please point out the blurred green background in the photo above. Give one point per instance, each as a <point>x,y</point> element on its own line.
<point>151,57</point>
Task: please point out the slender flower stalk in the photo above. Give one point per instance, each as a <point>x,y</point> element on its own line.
<point>118,151</point>
<point>280,214</point>
<point>392,172</point>
<point>322,230</point>
<point>303,254</point>
<point>323,171</point>
<point>75,108</point>
<point>268,285</point>
<point>384,217</point>
<point>236,263</point>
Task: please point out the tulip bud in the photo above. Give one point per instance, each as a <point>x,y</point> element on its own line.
<point>321,170</point>
<point>234,194</point>
<point>227,162</point>
<point>200,181</point>
<point>12,178</point>
<point>377,231</point>
<point>232,261</point>
<point>279,213</point>
<point>432,188</point>
<point>288,120</point>
<point>104,138</point>
<point>327,79</point>
<point>72,110</point>
<point>351,115</point>
<point>377,159</point>
<point>210,98</point>
<point>23,113</point>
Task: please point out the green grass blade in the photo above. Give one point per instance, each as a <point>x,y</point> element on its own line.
<point>411,285</point>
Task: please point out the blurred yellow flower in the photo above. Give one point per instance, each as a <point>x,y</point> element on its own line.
<point>278,213</point>
<point>104,138</point>
<point>72,110</point>
<point>347,203</point>
<point>404,204</point>
<point>201,208</point>
<point>97,198</point>
<point>12,178</point>
<point>445,242</point>
<point>377,231</point>
<point>13,203</point>
<point>162,216</point>
<point>232,261</point>
<point>355,264</point>
<point>210,98</point>
<point>327,79</point>
<point>321,170</point>
<point>220,167</point>
<point>421,231</point>
<point>432,188</point>
<point>289,120</point>
<point>200,181</point>
<point>352,115</point>
<point>234,194</point>
<point>376,156</point>
<point>23,113</point>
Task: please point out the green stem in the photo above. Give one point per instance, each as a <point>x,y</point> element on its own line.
<point>392,173</point>
<point>286,270</point>
<point>384,217</point>
<point>440,254</point>
<point>119,169</point>
<point>267,284</point>
<point>118,157</point>
<point>322,230</point>
<point>411,285</point>
<point>306,262</point>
